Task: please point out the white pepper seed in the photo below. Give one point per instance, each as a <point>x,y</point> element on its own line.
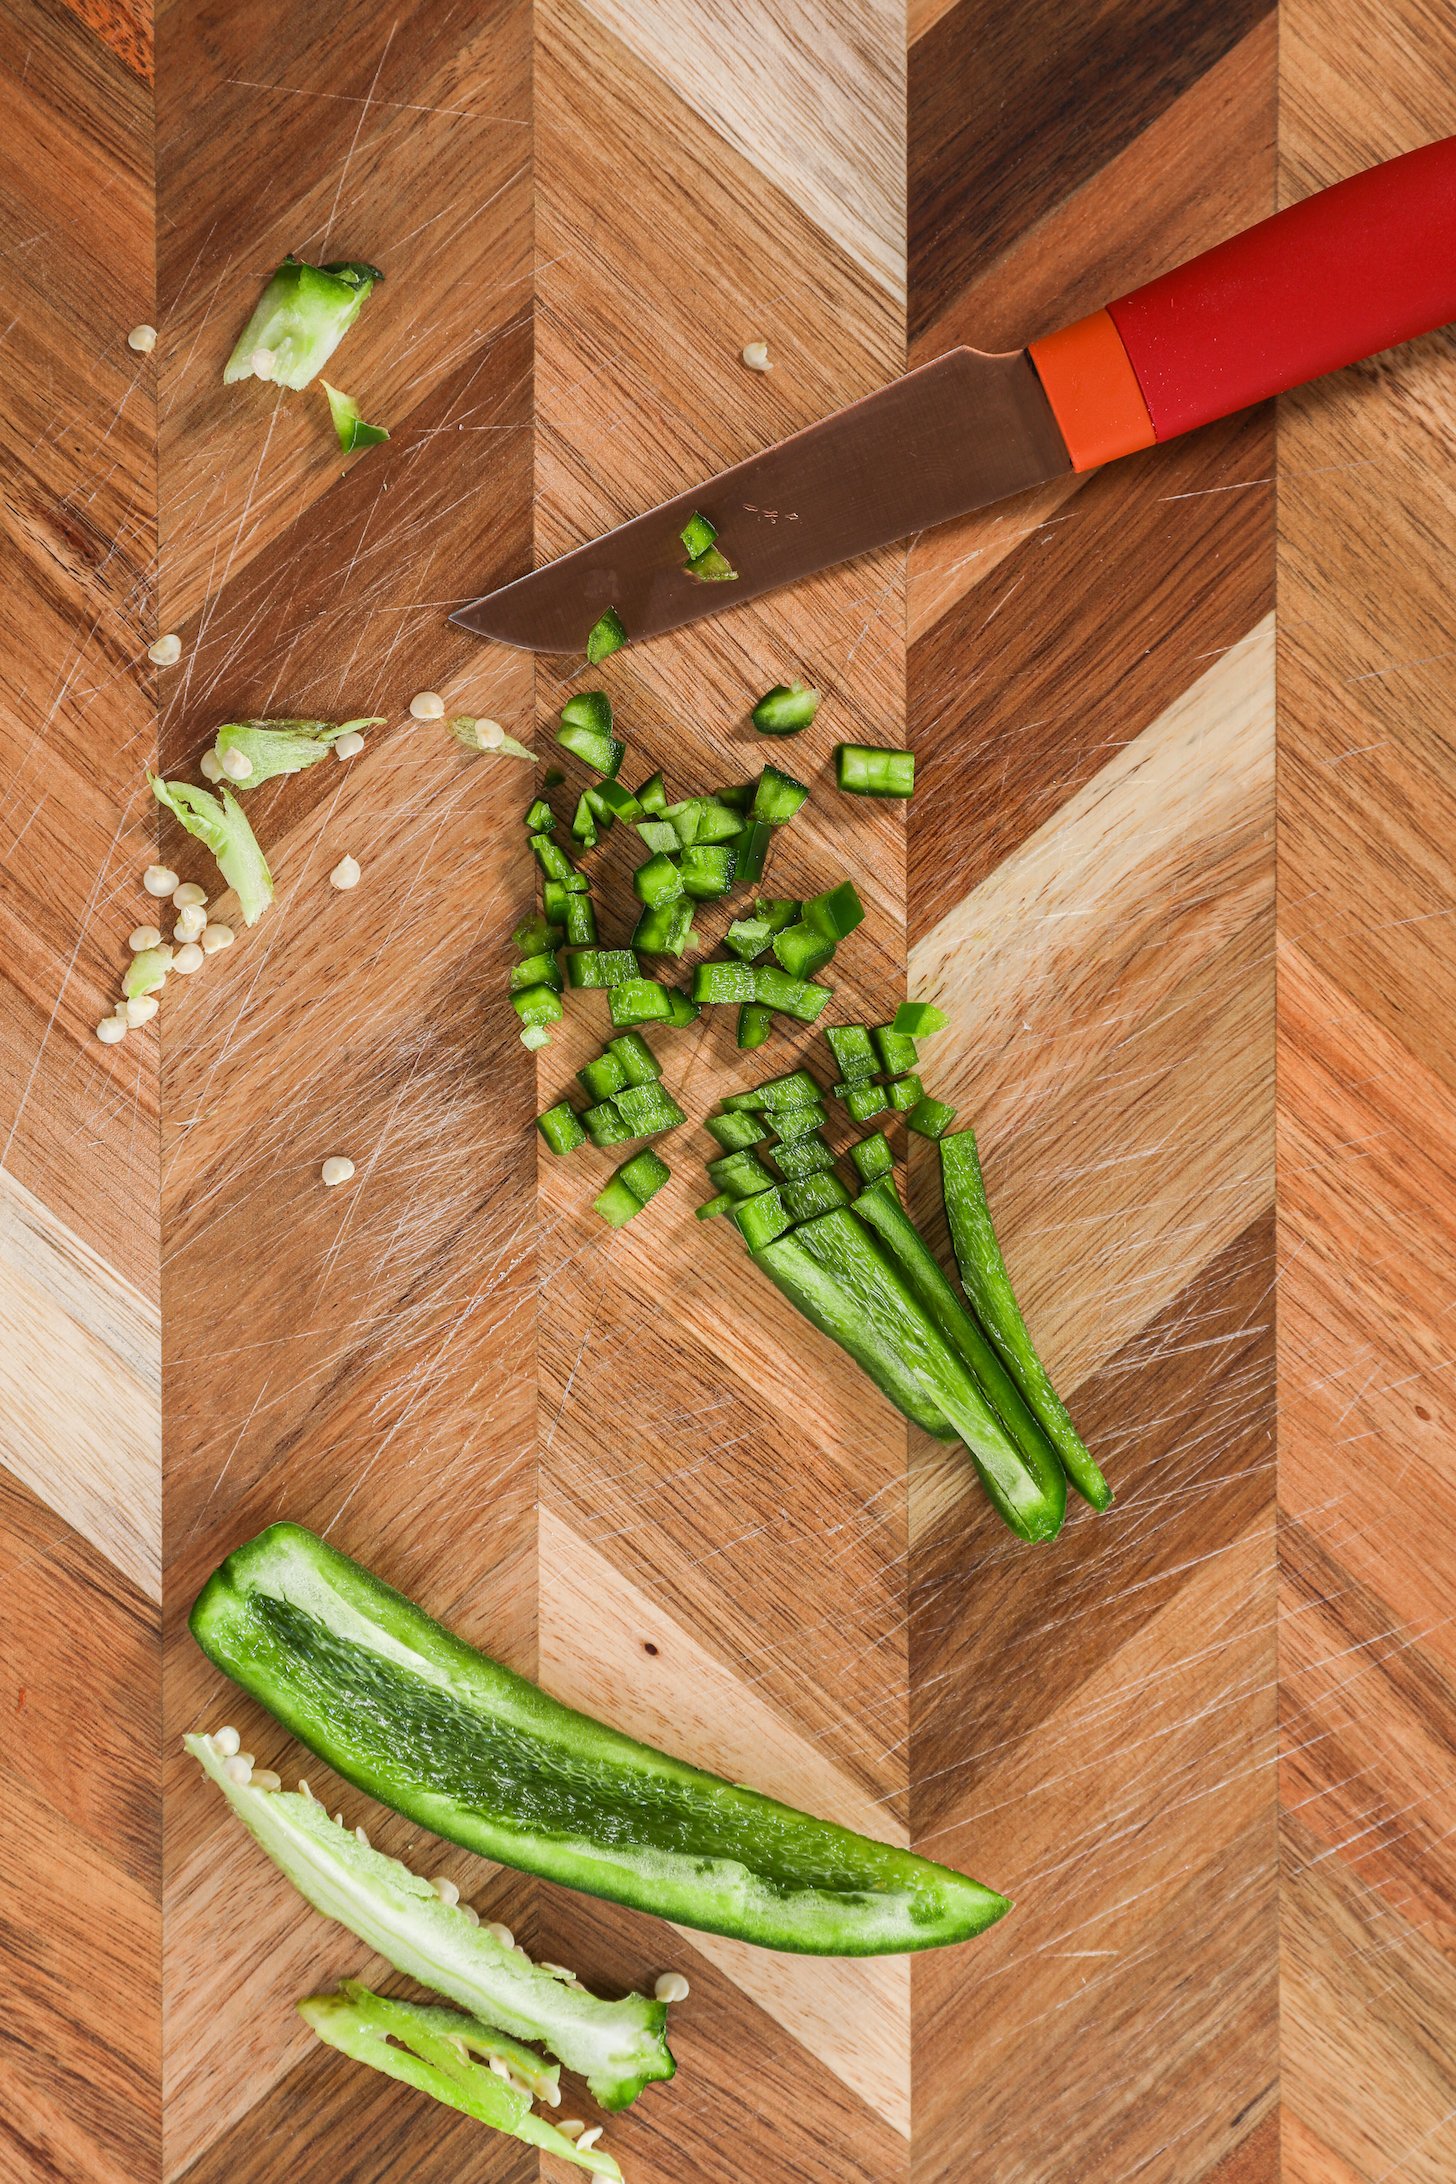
<point>143,936</point>
<point>239,1768</point>
<point>469,1911</point>
<point>237,765</point>
<point>191,923</point>
<point>502,1934</point>
<point>166,652</point>
<point>755,356</point>
<point>227,1741</point>
<point>336,1169</point>
<point>571,2127</point>
<point>189,896</point>
<point>589,2138</point>
<point>211,766</point>
<point>265,1779</point>
<point>348,745</point>
<point>216,937</point>
<point>428,705</point>
<point>143,339</point>
<point>346,874</point>
<point>489,734</point>
<point>141,1010</point>
<point>672,1987</point>
<point>159,879</point>
<point>445,1889</point>
<point>187,959</point>
<point>111,1029</point>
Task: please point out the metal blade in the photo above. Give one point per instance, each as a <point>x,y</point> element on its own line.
<point>958,433</point>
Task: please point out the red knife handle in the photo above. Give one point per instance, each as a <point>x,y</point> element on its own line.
<point>1342,274</point>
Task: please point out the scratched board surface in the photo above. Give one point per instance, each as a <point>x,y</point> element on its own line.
<point>607,1458</point>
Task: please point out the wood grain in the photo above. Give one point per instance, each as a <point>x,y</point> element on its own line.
<point>605,1458</point>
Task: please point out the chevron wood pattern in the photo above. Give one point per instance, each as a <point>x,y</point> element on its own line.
<point>1206,1741</point>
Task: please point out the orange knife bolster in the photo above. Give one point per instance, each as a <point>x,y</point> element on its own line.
<point>1093,391</point>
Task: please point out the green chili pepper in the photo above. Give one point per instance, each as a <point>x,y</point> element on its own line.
<point>608,634</point>
<point>405,1710</point>
<point>785,709</point>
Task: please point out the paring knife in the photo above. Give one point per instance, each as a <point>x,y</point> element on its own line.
<point>1339,276</point>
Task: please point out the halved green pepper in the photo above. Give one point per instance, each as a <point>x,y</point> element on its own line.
<point>407,1711</point>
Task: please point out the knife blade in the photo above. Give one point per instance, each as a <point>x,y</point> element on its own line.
<point>967,429</point>
<point>1341,275</point>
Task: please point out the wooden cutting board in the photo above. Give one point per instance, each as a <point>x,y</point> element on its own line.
<point>604,1457</point>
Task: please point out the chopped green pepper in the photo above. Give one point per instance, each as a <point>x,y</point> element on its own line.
<point>552,858</point>
<point>666,930</point>
<point>607,635</point>
<point>537,970</point>
<point>930,1118</point>
<point>645,1174</point>
<point>724,982</point>
<point>561,1127</point>
<point>796,997</point>
<point>736,1132</point>
<point>918,1019</point>
<point>753,848</point>
<point>604,1076</point>
<point>599,968</point>
<point>802,1157</point>
<point>618,1203</point>
<point>836,912</point>
<point>863,769</point>
<point>537,1005</point>
<point>762,1218</point>
<point>815,1194</point>
<point>609,800</point>
<point>348,421</point>
<point>649,1108</point>
<point>905,1093</point>
<point>785,709</point>
<point>896,1051</point>
<point>605,1126</point>
<point>802,951</point>
<point>586,731</point>
<point>747,938</point>
<point>533,936</point>
<point>755,1024</point>
<point>707,870</point>
<point>789,1123</point>
<point>697,535</point>
<point>652,796</point>
<point>864,1101</point>
<point>796,1088</point>
<point>741,1173</point>
<point>638,1063</point>
<point>853,1052</point>
<point>682,1010</point>
<point>872,1157</point>
<point>638,1001</point>
<point>777,797</point>
<point>712,1207</point>
<point>777,911</point>
<point>540,818</point>
<point>988,1286</point>
<point>658,834</point>
<point>657,882</point>
<point>581,922</point>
